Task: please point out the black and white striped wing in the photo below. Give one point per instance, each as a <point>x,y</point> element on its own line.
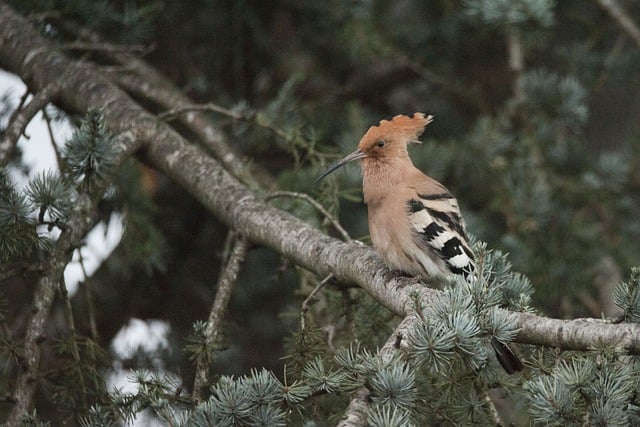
<point>437,220</point>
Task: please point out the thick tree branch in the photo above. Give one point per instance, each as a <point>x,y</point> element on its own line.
<point>577,334</point>
<point>25,52</point>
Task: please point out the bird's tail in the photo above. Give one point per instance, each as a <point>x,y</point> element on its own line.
<point>507,358</point>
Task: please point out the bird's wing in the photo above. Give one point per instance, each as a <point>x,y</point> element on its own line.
<point>436,219</point>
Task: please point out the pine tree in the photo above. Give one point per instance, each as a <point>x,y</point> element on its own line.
<point>221,213</point>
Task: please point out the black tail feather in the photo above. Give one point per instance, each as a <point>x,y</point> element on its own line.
<point>507,358</point>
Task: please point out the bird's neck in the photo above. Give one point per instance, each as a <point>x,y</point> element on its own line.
<point>381,177</point>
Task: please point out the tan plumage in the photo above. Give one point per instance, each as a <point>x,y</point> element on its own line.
<point>414,221</point>
<point>403,203</point>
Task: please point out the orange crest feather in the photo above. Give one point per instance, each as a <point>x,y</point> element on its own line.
<point>400,127</point>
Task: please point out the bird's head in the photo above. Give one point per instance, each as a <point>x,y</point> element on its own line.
<point>386,141</point>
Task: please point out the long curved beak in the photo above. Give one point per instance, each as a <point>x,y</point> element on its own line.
<point>356,155</point>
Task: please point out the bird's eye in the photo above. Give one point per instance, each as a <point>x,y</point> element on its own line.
<point>380,143</point>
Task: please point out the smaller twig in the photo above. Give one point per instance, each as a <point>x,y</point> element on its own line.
<point>23,100</point>
<point>226,280</point>
<point>113,71</point>
<point>108,48</point>
<point>516,61</point>
<point>622,18</point>
<point>68,315</point>
<point>604,321</point>
<point>20,120</point>
<point>316,205</point>
<point>307,301</point>
<point>211,107</point>
<point>73,335</point>
<point>54,144</point>
<point>175,112</point>
<point>515,50</point>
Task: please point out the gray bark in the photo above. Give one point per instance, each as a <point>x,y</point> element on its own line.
<point>81,85</point>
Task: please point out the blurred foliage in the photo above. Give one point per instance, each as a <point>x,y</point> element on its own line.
<point>543,159</point>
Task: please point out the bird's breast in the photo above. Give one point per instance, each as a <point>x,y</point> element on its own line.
<point>396,241</point>
<point>391,237</point>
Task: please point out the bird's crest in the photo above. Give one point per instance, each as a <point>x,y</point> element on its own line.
<point>401,127</point>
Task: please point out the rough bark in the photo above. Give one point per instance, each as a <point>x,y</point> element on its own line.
<point>241,209</point>
<point>24,52</point>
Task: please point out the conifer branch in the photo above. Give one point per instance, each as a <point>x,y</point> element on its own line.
<point>349,262</point>
<point>315,204</point>
<point>43,299</point>
<point>358,409</point>
<point>250,117</point>
<point>310,297</point>
<point>516,62</point>
<point>20,120</point>
<point>227,279</point>
<point>210,107</point>
<point>79,222</point>
<point>239,208</point>
<point>107,48</point>
<point>86,292</point>
<point>622,18</point>
<point>144,82</point>
<point>52,137</point>
<point>23,51</point>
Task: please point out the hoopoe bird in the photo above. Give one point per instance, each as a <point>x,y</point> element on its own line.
<point>414,221</point>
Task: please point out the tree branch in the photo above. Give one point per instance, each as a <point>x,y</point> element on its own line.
<point>515,52</point>
<point>226,281</point>
<point>52,137</point>
<point>358,410</point>
<point>79,223</point>
<point>25,52</point>
<point>239,208</point>
<point>307,302</point>
<point>622,18</point>
<point>107,47</point>
<point>315,204</point>
<point>21,119</point>
<point>145,82</point>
